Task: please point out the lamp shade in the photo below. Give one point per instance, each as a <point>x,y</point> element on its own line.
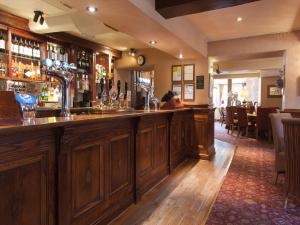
<point>244,93</point>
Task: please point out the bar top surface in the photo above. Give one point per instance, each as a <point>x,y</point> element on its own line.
<point>51,122</point>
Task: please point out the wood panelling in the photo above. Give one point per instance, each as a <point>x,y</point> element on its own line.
<point>152,150</point>
<point>100,157</point>
<point>89,171</point>
<point>203,134</point>
<point>171,8</point>
<point>27,178</point>
<point>13,21</point>
<point>87,178</point>
<point>120,162</point>
<point>181,137</point>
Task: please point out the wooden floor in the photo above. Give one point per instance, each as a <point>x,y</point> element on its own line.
<point>186,196</point>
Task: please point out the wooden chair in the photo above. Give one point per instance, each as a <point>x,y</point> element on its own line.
<point>242,119</point>
<point>251,109</point>
<point>230,121</point>
<point>278,137</point>
<point>292,143</point>
<point>222,115</point>
<point>263,122</point>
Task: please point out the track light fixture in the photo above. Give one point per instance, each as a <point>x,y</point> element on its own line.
<point>132,52</point>
<point>39,14</point>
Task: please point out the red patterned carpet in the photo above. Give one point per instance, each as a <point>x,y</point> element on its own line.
<point>248,195</point>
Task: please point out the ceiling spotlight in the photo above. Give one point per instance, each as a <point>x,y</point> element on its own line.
<point>239,19</point>
<point>180,56</point>
<point>132,52</point>
<point>152,42</point>
<point>91,9</point>
<point>37,15</point>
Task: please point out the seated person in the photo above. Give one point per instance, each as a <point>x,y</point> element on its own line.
<point>172,102</point>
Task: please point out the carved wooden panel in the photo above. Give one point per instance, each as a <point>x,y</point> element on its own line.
<point>23,192</point>
<point>27,178</point>
<point>152,152</point>
<point>120,166</point>
<point>161,141</point>
<point>177,139</point>
<point>145,154</point>
<point>96,163</point>
<point>87,177</point>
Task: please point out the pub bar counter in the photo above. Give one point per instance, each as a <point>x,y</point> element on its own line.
<point>87,169</point>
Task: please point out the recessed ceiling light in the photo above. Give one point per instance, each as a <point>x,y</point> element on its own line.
<point>239,19</point>
<point>180,56</point>
<point>153,42</point>
<point>91,9</point>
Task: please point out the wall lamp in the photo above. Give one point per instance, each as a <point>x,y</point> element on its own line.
<point>39,14</point>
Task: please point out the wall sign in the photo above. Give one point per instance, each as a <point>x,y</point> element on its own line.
<point>200,82</point>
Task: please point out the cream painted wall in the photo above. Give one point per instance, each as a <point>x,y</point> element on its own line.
<point>251,64</point>
<point>162,63</point>
<point>265,100</point>
<point>290,42</point>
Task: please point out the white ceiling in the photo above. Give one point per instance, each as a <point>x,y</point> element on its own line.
<point>137,22</point>
<point>62,18</point>
<point>261,17</point>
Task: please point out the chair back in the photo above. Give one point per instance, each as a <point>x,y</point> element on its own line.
<point>292,143</point>
<point>229,115</point>
<point>251,109</point>
<point>262,119</point>
<point>277,129</point>
<point>242,117</point>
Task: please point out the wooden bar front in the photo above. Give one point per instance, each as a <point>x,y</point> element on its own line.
<point>89,169</point>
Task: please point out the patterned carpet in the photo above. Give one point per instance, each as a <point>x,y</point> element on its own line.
<point>248,195</point>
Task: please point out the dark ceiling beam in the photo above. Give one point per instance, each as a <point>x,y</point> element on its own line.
<point>174,8</point>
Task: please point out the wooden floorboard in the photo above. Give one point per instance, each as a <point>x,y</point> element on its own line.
<point>186,196</point>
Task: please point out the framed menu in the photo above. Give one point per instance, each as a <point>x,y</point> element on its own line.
<point>189,92</point>
<point>176,73</point>
<point>177,88</point>
<point>200,82</point>
<point>274,91</point>
<point>189,72</point>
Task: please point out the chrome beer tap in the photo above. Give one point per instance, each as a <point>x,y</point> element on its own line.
<point>64,73</point>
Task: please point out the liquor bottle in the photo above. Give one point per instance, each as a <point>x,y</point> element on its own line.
<point>30,49</point>
<point>38,51</point>
<point>21,47</point>
<point>87,63</point>
<point>34,53</point>
<point>25,48</point>
<point>2,43</point>
<point>87,83</point>
<point>15,46</point>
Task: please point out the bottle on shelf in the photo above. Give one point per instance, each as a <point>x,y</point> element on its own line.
<point>38,51</point>
<point>21,48</point>
<point>2,43</point>
<point>15,46</point>
<point>30,49</point>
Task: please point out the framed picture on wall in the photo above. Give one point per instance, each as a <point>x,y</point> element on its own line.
<point>189,72</point>
<point>189,92</point>
<point>177,73</point>
<point>274,91</point>
<point>177,88</point>
<point>200,82</point>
